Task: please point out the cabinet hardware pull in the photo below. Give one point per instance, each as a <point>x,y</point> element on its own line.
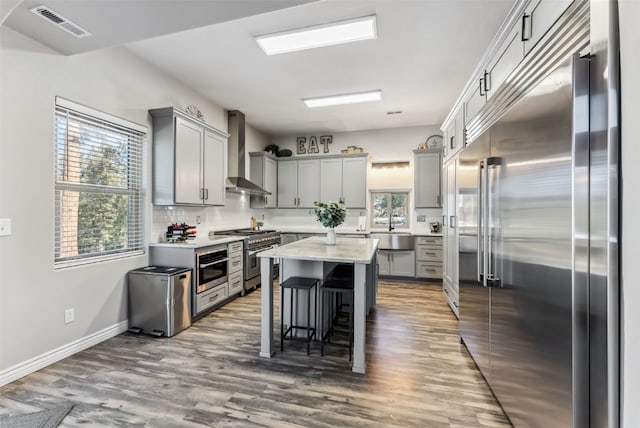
<point>481,87</point>
<point>487,81</point>
<point>212,298</point>
<point>266,200</point>
<point>206,193</point>
<point>523,37</point>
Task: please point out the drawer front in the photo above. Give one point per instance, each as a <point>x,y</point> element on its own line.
<point>429,240</point>
<point>428,270</point>
<point>451,293</point>
<point>235,247</point>
<point>429,254</point>
<point>235,263</point>
<point>235,283</point>
<point>211,297</point>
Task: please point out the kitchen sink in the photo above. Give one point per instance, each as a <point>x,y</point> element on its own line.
<point>394,241</point>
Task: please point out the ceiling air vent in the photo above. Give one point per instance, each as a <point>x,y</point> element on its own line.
<point>60,21</point>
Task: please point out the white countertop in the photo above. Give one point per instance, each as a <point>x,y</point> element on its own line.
<point>427,234</point>
<point>346,250</point>
<point>311,229</point>
<point>199,242</point>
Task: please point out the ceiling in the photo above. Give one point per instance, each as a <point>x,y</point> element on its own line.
<point>425,52</point>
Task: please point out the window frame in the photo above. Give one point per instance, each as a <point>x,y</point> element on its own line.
<point>390,193</point>
<point>95,125</point>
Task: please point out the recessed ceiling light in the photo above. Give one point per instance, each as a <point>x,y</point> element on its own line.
<point>360,97</point>
<point>317,36</point>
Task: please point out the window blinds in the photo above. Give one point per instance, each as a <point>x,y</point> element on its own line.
<point>98,186</point>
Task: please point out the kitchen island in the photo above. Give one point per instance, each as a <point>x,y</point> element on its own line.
<point>312,257</point>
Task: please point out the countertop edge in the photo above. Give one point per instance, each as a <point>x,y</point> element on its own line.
<point>197,244</point>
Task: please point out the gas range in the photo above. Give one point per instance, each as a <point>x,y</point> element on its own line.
<point>255,239</point>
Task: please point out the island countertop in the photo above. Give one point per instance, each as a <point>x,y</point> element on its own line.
<point>346,250</point>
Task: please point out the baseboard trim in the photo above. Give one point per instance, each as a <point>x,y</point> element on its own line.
<point>34,364</point>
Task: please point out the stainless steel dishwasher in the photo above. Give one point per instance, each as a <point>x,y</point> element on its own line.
<point>159,300</point>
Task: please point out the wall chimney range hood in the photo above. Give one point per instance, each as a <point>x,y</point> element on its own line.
<point>237,182</point>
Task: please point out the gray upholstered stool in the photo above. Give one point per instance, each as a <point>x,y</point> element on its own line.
<point>298,283</point>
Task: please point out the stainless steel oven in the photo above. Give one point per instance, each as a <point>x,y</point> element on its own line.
<point>212,268</point>
<point>212,272</point>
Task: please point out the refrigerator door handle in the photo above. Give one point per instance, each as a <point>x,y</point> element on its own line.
<point>482,268</point>
<point>491,279</point>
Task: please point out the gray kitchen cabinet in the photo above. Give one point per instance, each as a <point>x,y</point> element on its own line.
<point>475,98</point>
<point>264,173</point>
<point>288,238</point>
<point>298,183</point>
<point>538,17</point>
<point>344,178</point>
<point>509,55</point>
<point>236,265</point>
<point>189,160</point>
<point>331,179</point>
<point>398,263</point>
<point>429,257</point>
<point>450,235</point>
<point>384,263</point>
<point>427,191</point>
<point>354,182</point>
<point>453,139</point>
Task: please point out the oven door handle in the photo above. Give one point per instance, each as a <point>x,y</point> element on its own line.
<point>206,265</point>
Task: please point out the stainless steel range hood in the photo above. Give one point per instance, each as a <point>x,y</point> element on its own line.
<point>237,182</point>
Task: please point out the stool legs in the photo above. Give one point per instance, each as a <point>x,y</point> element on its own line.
<point>294,311</point>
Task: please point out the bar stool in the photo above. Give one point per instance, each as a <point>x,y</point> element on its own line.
<point>342,272</point>
<point>298,283</point>
<point>334,288</point>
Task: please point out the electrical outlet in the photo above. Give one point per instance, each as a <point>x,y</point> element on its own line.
<point>422,218</point>
<point>5,226</point>
<point>69,316</point>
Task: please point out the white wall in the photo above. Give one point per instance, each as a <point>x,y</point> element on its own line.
<point>32,295</point>
<point>630,300</point>
<point>383,145</point>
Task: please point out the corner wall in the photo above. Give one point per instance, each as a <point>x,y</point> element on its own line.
<point>33,296</point>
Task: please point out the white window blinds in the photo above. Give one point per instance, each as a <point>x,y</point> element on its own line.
<point>98,186</point>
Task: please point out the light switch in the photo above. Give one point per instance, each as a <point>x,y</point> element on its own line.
<point>5,226</point>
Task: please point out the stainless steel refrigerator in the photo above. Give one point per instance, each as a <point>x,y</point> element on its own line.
<point>523,212</point>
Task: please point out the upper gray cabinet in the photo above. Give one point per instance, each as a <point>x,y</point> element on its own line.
<point>538,17</point>
<point>427,188</point>
<point>525,30</point>
<point>453,139</point>
<point>298,183</point>
<point>264,173</point>
<point>189,160</point>
<point>344,178</point>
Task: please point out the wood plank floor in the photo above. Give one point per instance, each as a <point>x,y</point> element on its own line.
<point>418,375</point>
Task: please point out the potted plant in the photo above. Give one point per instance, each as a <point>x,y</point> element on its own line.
<point>331,215</point>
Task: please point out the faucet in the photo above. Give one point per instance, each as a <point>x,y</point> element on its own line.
<point>391,227</point>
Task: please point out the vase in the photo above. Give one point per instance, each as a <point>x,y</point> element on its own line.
<point>331,236</point>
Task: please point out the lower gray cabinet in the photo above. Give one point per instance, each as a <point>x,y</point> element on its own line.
<point>397,263</point>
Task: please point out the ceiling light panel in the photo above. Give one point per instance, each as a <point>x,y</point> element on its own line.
<point>317,36</point>
<point>360,97</point>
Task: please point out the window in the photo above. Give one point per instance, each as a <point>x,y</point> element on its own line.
<point>98,177</point>
<point>390,210</point>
